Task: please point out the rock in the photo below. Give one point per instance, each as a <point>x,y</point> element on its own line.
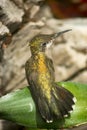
<point>81,77</point>
<point>5,39</point>
<point>10,14</point>
<point>67,61</point>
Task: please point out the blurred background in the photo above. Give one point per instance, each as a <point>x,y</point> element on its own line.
<point>20,21</point>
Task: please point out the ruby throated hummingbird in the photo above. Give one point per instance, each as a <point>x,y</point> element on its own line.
<point>52,100</point>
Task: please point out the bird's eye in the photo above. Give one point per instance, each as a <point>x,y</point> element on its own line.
<point>44,44</point>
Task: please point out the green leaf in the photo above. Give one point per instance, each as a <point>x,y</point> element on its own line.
<point>19,107</point>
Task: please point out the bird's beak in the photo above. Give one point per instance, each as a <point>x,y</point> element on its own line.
<point>59,33</point>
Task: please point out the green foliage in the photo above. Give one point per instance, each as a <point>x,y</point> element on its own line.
<point>19,107</point>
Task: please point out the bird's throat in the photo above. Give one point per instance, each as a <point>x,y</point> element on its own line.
<point>42,63</point>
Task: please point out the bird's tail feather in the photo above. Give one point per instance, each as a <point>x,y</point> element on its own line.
<point>45,110</point>
<point>64,100</point>
<point>60,106</point>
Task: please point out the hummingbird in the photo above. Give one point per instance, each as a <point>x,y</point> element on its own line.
<point>52,100</point>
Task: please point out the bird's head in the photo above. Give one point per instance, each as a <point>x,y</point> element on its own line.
<point>41,41</point>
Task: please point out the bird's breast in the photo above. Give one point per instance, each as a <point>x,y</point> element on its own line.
<point>44,76</point>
